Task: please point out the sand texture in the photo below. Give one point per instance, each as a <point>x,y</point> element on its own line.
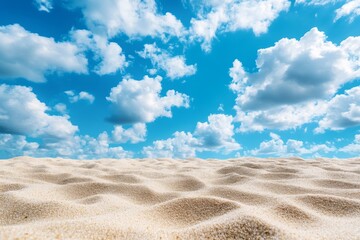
<point>179,199</point>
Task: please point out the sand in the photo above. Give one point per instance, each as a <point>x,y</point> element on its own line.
<point>179,199</point>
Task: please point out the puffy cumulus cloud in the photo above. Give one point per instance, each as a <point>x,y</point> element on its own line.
<point>136,101</point>
<point>350,8</point>
<point>343,111</point>
<point>134,134</point>
<point>134,18</point>
<point>231,15</point>
<point>109,54</point>
<point>174,66</point>
<point>44,5</point>
<point>351,46</point>
<point>215,135</point>
<point>277,147</point>
<point>30,56</point>
<point>295,71</point>
<point>353,148</point>
<point>21,112</point>
<point>181,145</point>
<point>295,80</point>
<point>85,96</point>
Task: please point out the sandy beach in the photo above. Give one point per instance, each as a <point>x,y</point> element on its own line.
<point>243,198</point>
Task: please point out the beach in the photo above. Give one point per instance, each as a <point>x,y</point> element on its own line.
<point>245,198</point>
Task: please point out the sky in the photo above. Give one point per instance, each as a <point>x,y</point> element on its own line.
<point>88,79</point>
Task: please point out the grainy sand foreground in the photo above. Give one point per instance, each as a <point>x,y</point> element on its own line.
<point>183,199</point>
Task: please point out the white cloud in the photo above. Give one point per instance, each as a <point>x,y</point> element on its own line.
<point>353,148</point>
<point>135,134</point>
<point>295,80</point>
<point>56,134</point>
<point>316,2</point>
<point>282,117</point>
<point>108,54</point>
<point>85,96</point>
<point>22,113</point>
<point>76,147</point>
<point>140,101</point>
<point>174,66</point>
<point>343,111</point>
<point>274,146</point>
<point>23,116</point>
<point>134,18</point>
<point>238,76</point>
<point>215,135</point>
<point>350,8</point>
<point>16,145</point>
<point>231,15</point>
<point>44,5</point>
<point>152,71</point>
<point>61,108</point>
<point>99,148</point>
<point>182,145</point>
<point>277,147</point>
<point>30,56</point>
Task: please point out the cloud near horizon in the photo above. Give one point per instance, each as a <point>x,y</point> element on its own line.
<point>215,135</point>
<point>277,147</point>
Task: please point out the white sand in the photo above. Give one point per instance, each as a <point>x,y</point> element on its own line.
<point>179,199</point>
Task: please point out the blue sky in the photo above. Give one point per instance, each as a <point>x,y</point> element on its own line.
<point>191,78</point>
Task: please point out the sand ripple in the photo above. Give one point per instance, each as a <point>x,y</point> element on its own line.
<point>191,199</point>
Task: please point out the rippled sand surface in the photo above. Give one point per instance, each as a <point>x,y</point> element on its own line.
<point>180,199</point>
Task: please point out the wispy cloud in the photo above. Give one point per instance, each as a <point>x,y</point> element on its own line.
<point>174,66</point>
<point>85,96</point>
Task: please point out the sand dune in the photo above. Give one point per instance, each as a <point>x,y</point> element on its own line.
<point>180,199</point>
